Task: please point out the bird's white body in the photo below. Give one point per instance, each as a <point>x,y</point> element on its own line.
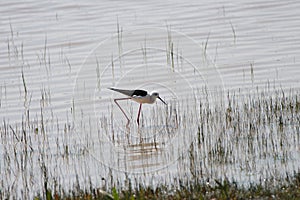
<point>145,99</point>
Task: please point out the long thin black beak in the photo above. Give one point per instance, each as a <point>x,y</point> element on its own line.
<point>161,100</point>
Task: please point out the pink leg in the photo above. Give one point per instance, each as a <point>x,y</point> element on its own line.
<point>121,108</point>
<point>138,117</point>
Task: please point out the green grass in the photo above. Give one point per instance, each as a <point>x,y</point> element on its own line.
<point>288,189</point>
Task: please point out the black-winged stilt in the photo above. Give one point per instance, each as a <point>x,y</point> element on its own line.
<point>140,96</point>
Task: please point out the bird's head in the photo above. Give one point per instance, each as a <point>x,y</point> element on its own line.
<point>156,95</point>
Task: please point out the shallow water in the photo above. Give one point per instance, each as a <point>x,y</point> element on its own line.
<point>70,53</point>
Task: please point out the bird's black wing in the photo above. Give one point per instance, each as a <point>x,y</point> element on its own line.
<point>131,93</point>
<point>141,93</point>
